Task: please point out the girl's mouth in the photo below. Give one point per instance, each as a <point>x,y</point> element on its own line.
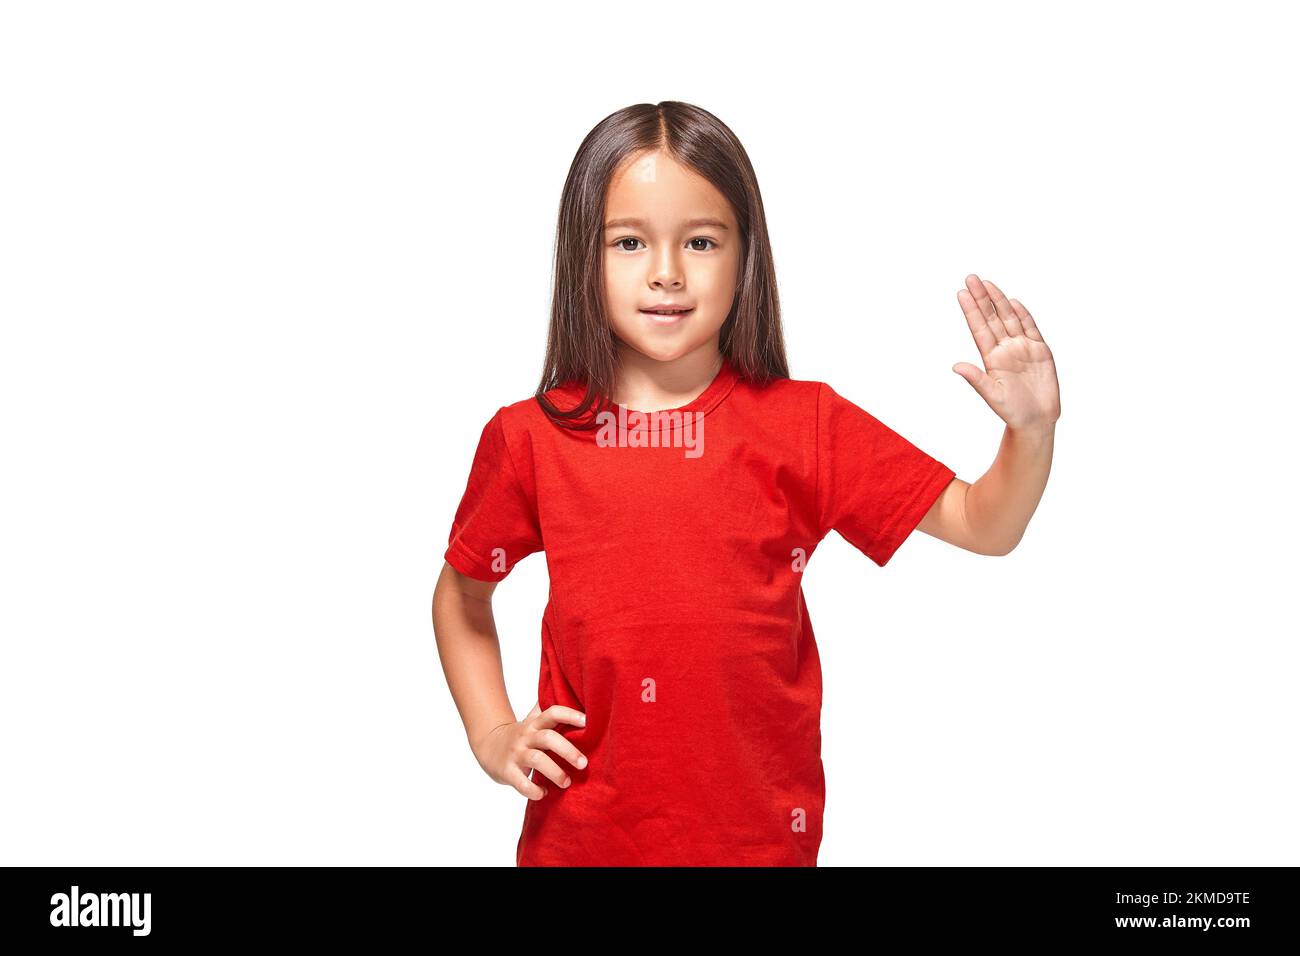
<point>667,317</point>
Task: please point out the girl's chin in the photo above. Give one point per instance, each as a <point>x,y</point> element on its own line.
<point>660,354</point>
<point>662,345</point>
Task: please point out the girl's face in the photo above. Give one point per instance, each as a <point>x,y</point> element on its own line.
<point>671,239</point>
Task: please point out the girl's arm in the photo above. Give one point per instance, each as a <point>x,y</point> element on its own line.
<point>470,651</point>
<point>466,634</point>
<point>990,516</point>
<point>1019,383</point>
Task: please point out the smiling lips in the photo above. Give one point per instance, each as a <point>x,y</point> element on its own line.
<point>666,315</point>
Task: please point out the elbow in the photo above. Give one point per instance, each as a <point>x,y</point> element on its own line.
<point>993,546</point>
<point>996,542</point>
<point>1002,548</point>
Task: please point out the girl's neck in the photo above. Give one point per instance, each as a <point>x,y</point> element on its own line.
<point>647,385</point>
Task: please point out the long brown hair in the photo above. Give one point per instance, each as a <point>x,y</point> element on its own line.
<point>580,344</point>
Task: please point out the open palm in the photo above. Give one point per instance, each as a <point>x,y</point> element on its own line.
<point>1019,376</point>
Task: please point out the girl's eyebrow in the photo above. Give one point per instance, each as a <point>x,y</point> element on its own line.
<point>690,224</point>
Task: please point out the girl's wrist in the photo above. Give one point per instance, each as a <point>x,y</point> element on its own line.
<point>1040,432</point>
<point>482,732</point>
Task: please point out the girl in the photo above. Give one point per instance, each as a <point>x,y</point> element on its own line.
<point>679,696</point>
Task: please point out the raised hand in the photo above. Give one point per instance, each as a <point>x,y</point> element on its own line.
<point>1019,377</point>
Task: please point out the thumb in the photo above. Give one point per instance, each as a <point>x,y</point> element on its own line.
<point>978,379</point>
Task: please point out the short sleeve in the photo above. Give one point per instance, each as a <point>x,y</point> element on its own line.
<point>496,523</point>
<point>873,485</point>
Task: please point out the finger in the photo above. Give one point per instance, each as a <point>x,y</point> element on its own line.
<point>979,327</point>
<point>1027,321</point>
<point>981,295</point>
<point>520,781</point>
<point>985,385</point>
<point>538,760</point>
<point>1005,312</point>
<point>559,714</point>
<point>555,741</point>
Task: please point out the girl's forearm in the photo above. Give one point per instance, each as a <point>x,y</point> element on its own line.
<point>471,660</point>
<point>999,505</point>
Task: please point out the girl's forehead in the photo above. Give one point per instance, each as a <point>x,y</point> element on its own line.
<point>657,188</point>
<point>656,170</point>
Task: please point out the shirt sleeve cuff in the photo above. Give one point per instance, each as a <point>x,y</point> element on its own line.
<point>911,516</point>
<point>470,564</point>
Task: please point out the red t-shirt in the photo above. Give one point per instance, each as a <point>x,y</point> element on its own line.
<point>676,620</point>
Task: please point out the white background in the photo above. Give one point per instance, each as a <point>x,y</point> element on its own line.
<point>268,268</point>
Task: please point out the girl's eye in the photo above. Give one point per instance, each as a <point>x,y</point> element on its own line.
<point>620,242</point>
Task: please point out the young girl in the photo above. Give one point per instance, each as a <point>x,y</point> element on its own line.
<point>678,481</point>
